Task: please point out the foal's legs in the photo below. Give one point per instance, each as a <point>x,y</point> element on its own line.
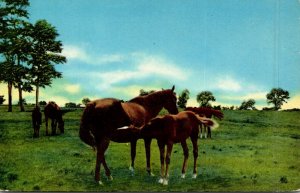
<point>46,122</point>
<point>195,152</point>
<point>186,156</point>
<point>161,146</point>
<point>53,126</point>
<point>168,160</point>
<point>133,154</point>
<point>147,142</point>
<point>101,148</point>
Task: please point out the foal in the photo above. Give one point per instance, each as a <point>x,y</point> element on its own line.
<point>36,121</point>
<point>171,129</point>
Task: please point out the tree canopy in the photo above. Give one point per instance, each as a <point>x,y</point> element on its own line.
<point>277,96</point>
<point>204,98</point>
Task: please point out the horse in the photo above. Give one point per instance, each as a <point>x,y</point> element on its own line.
<point>102,117</point>
<point>206,112</point>
<point>170,129</point>
<point>36,121</point>
<point>53,111</point>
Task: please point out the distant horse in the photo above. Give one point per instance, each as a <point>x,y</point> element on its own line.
<point>171,129</point>
<point>206,112</point>
<point>36,121</point>
<point>101,118</point>
<point>53,111</point>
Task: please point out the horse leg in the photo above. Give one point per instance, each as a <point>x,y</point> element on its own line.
<point>168,160</point>
<point>101,148</point>
<point>201,128</point>
<point>107,170</point>
<point>208,132</point>
<point>205,132</point>
<point>147,143</point>
<point>186,156</point>
<point>195,153</point>
<point>133,154</point>
<point>161,146</point>
<point>46,122</point>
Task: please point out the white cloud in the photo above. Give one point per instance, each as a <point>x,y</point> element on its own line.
<point>227,83</point>
<point>72,88</point>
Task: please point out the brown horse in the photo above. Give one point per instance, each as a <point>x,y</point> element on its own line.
<point>206,112</point>
<point>101,118</point>
<point>53,111</point>
<point>171,129</point>
<point>36,121</point>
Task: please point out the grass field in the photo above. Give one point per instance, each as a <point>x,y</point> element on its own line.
<point>250,151</point>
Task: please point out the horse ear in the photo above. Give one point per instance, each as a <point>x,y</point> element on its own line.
<point>173,88</point>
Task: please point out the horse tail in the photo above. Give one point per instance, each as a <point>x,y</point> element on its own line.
<point>85,132</point>
<point>208,122</point>
<point>218,114</point>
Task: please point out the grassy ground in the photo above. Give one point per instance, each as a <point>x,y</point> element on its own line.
<point>250,151</point>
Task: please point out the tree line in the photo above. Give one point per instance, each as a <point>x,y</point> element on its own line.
<point>28,51</point>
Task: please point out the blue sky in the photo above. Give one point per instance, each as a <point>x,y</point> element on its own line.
<point>237,49</point>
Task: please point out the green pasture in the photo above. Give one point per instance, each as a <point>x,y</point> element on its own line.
<point>250,151</point>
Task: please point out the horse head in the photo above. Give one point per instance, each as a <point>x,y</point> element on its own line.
<point>170,101</point>
<point>61,123</point>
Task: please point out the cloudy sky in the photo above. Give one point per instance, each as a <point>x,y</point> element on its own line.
<point>237,49</point>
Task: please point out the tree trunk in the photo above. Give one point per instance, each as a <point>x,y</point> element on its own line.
<point>37,92</point>
<point>22,109</point>
<point>9,97</point>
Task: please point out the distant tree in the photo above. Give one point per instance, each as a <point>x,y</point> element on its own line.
<point>70,105</point>
<point>218,107</point>
<point>85,101</point>
<point>277,96</point>
<point>183,98</point>
<point>2,99</point>
<point>45,53</point>
<point>42,103</point>
<point>204,97</point>
<point>247,105</point>
<point>143,92</point>
<point>23,102</point>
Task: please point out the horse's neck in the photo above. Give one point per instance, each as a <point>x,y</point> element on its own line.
<point>151,103</point>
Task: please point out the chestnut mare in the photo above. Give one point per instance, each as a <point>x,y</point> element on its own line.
<point>102,118</point>
<point>53,111</point>
<point>171,129</point>
<point>206,112</point>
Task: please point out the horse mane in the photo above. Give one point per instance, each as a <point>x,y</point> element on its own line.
<point>151,97</point>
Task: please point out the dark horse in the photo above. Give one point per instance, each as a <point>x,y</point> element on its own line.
<point>36,121</point>
<point>102,118</point>
<point>53,111</point>
<point>206,112</point>
<point>171,129</point>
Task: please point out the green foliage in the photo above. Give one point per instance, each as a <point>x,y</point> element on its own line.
<point>246,105</point>
<point>85,101</point>
<point>183,98</point>
<point>143,92</point>
<point>70,105</point>
<point>250,151</point>
<point>2,99</point>
<point>204,98</point>
<point>277,96</point>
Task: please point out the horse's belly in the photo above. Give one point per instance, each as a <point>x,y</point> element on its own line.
<point>124,135</point>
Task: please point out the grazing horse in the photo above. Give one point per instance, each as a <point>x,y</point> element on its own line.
<point>53,111</point>
<point>102,118</point>
<point>206,112</point>
<point>171,129</point>
<point>36,121</point>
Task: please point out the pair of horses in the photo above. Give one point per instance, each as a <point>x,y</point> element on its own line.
<point>206,112</point>
<point>51,111</point>
<point>102,119</point>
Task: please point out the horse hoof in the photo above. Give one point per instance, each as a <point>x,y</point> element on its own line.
<point>161,180</point>
<point>194,176</point>
<point>182,176</point>
<point>165,183</point>
<point>131,169</point>
<point>110,178</point>
<point>151,174</point>
<point>100,183</point>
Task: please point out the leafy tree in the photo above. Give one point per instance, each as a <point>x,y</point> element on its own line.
<point>183,98</point>
<point>143,92</point>
<point>2,99</point>
<point>204,97</point>
<point>277,96</point>
<point>246,105</point>
<point>70,105</point>
<point>42,103</point>
<point>45,53</point>
<point>13,45</point>
<point>85,101</point>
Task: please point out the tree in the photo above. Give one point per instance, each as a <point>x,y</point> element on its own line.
<point>204,97</point>
<point>246,105</point>
<point>143,92</point>
<point>85,101</point>
<point>45,53</point>
<point>183,98</point>
<point>70,105</point>
<point>277,96</point>
<point>13,44</point>
<point>2,99</point>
